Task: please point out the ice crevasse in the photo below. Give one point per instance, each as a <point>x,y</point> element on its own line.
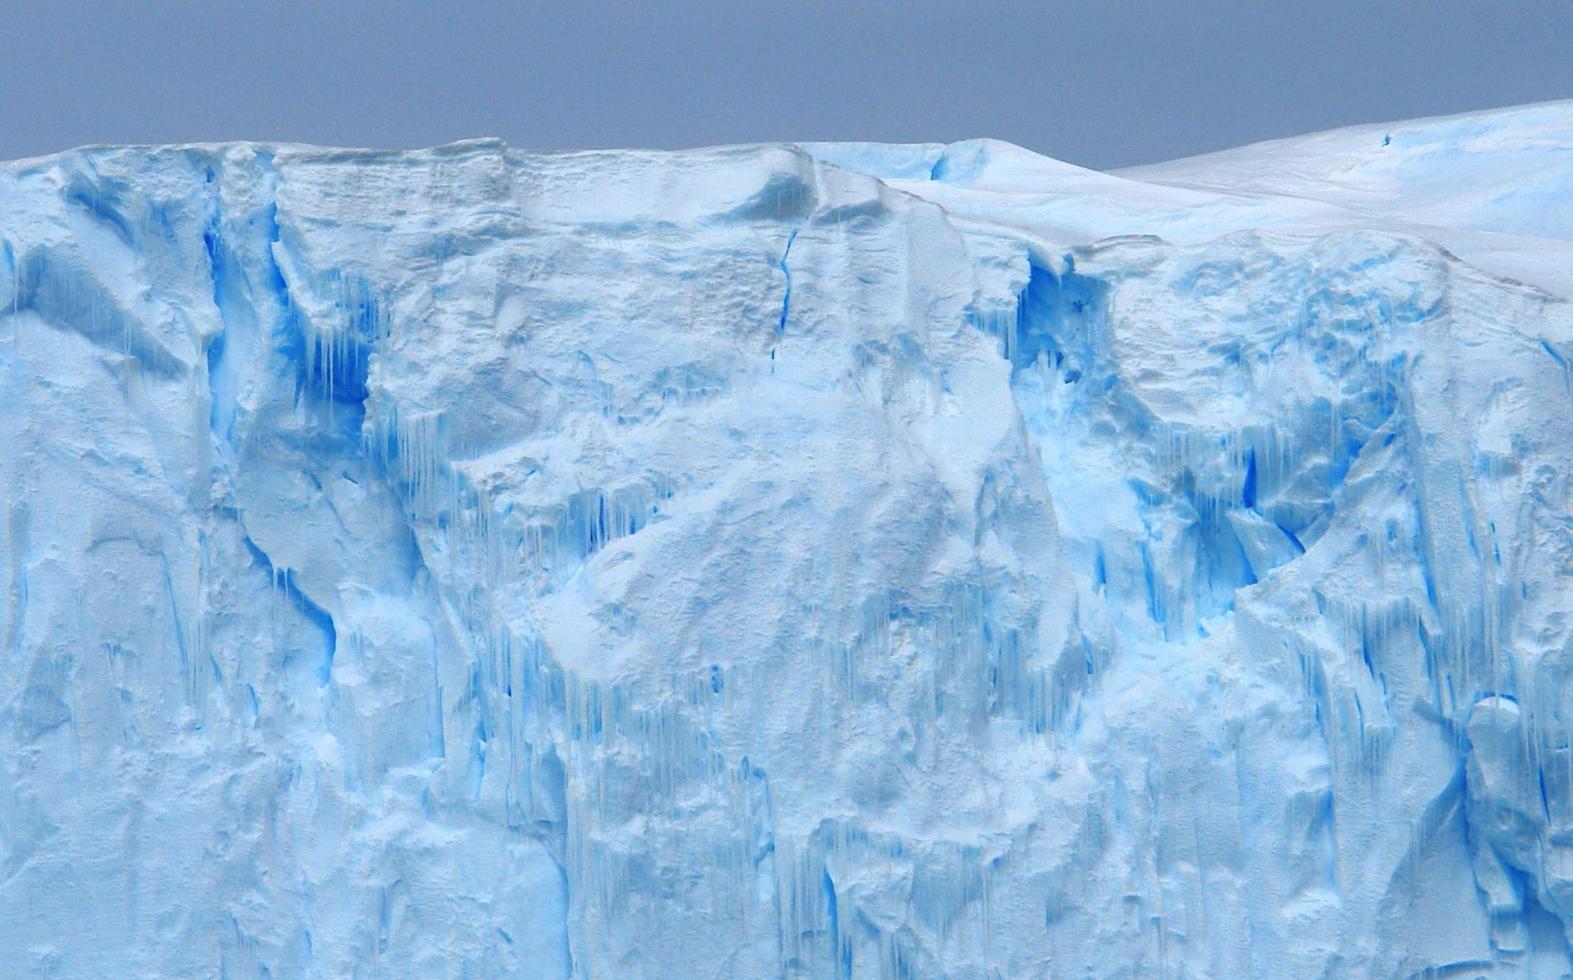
<point>816,560</point>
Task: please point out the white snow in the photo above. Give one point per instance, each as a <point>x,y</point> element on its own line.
<point>822,560</point>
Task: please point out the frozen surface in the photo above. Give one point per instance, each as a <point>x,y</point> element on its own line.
<point>808,561</point>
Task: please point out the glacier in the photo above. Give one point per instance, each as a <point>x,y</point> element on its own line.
<point>801,560</point>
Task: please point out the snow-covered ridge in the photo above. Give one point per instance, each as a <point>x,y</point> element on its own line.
<point>1502,171</point>
<point>789,560</point>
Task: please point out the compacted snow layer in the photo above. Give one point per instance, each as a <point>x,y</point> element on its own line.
<point>822,560</point>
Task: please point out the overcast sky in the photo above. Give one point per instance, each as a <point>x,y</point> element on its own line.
<point>1102,84</point>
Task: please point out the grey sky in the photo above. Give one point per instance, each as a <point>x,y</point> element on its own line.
<point>1099,84</point>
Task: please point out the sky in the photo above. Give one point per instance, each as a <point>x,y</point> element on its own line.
<point>1101,84</point>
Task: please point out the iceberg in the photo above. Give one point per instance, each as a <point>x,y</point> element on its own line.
<point>800,560</point>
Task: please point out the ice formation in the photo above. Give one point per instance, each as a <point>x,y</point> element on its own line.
<point>797,560</point>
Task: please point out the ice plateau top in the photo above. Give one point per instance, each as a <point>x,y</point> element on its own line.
<point>795,560</point>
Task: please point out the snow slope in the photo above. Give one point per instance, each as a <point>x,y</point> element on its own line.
<point>821,560</point>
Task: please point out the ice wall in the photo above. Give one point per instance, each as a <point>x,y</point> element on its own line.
<point>768,561</point>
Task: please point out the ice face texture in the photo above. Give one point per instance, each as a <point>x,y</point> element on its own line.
<point>811,561</point>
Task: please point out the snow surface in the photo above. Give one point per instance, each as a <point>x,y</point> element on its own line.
<point>821,560</point>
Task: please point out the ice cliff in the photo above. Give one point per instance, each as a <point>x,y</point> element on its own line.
<point>800,560</point>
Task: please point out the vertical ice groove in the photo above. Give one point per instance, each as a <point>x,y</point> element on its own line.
<point>786,275</point>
